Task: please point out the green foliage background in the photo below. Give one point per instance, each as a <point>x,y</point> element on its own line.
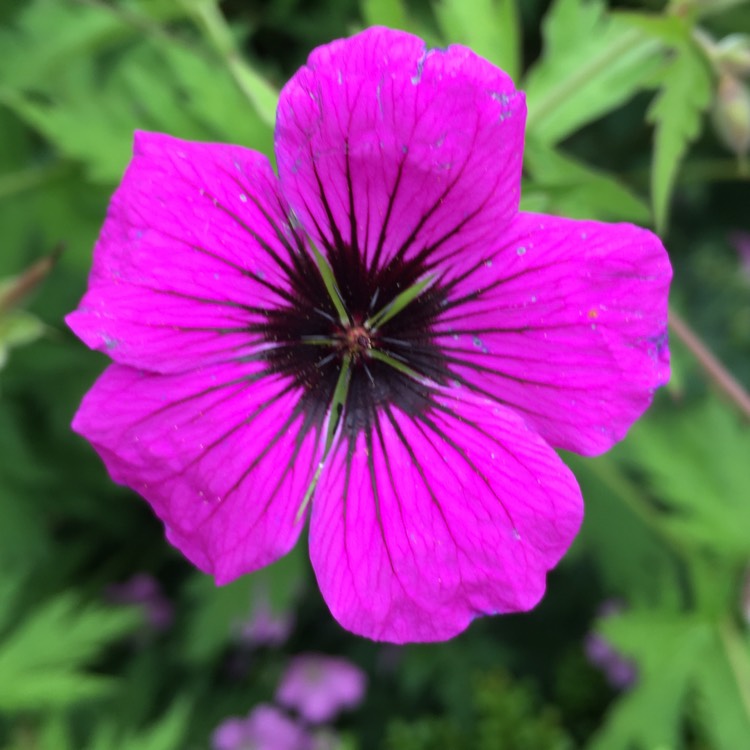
<point>619,128</point>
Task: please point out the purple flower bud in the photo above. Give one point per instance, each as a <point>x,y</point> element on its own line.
<point>733,54</point>
<point>731,114</point>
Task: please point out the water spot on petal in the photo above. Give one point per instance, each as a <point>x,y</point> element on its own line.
<point>488,263</point>
<point>417,77</point>
<point>521,250</point>
<point>243,197</point>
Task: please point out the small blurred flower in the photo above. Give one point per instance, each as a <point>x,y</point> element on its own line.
<point>144,590</point>
<point>741,243</point>
<point>620,672</point>
<point>264,627</point>
<point>320,686</point>
<point>265,728</point>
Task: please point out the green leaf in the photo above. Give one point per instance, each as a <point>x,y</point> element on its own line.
<point>678,656</point>
<point>43,660</point>
<point>48,34</point>
<point>667,649</point>
<point>490,27</point>
<point>591,64</point>
<point>620,532</point>
<point>721,712</point>
<point>166,734</point>
<point>695,461</point>
<point>88,107</point>
<point>391,13</point>
<point>572,188</point>
<point>677,114</point>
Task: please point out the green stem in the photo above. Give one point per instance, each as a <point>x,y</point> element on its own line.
<point>712,366</point>
<point>14,183</point>
<point>261,95</point>
<point>738,657</point>
<point>545,107</point>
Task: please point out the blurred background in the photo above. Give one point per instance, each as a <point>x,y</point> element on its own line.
<point>638,111</point>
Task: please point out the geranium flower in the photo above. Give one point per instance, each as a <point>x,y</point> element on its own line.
<point>376,338</point>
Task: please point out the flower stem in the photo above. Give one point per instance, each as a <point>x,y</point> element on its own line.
<point>262,96</point>
<point>739,660</point>
<point>546,106</point>
<point>715,370</point>
<point>13,183</point>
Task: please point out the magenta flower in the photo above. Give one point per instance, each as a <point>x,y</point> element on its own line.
<point>376,338</point>
<point>265,728</point>
<point>319,687</point>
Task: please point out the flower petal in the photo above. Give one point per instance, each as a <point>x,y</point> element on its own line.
<point>566,322</point>
<point>398,151</point>
<point>222,455</point>
<point>429,521</point>
<point>195,244</point>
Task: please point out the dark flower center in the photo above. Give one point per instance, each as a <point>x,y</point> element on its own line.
<point>388,363</point>
<point>354,339</point>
